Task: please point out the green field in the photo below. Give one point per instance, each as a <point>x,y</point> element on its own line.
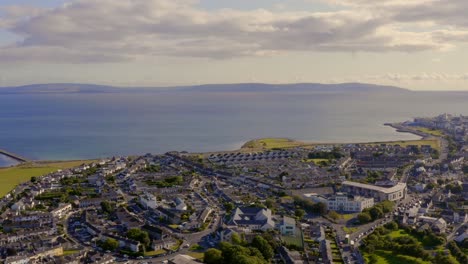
<point>350,230</point>
<point>12,176</point>
<point>398,233</point>
<point>387,257</point>
<point>432,132</point>
<point>70,252</point>
<point>434,143</point>
<point>155,253</point>
<point>196,255</point>
<point>316,161</point>
<point>294,240</point>
<point>271,143</point>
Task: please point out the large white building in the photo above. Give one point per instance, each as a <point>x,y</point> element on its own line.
<point>348,203</point>
<point>249,219</point>
<point>149,201</point>
<point>392,193</point>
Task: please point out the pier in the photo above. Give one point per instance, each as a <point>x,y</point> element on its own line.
<point>13,156</point>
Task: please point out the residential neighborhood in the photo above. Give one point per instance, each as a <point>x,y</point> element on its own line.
<point>329,203</point>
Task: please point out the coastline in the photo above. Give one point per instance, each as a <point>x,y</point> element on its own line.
<point>261,144</point>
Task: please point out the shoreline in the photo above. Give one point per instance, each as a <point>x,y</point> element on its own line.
<point>289,143</point>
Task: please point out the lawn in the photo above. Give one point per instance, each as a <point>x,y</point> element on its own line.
<point>294,240</point>
<point>271,143</point>
<point>350,230</point>
<point>12,176</point>
<point>398,233</point>
<point>69,252</point>
<point>432,132</point>
<point>316,161</point>
<point>196,255</point>
<point>155,253</point>
<point>434,143</point>
<point>387,257</point>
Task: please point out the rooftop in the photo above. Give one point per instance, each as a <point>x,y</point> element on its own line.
<point>393,189</point>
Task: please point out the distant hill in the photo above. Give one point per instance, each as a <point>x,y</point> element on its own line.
<point>242,87</point>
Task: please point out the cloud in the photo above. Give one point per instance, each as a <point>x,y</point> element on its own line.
<point>89,31</point>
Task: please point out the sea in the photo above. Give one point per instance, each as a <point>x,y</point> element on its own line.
<point>64,126</point>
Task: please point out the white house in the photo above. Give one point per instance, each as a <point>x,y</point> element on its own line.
<point>288,226</point>
<point>148,200</point>
<point>252,218</point>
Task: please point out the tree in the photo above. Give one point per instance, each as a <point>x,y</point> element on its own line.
<point>364,217</point>
<point>236,239</point>
<point>213,256</point>
<point>229,207</point>
<point>263,246</point>
<point>441,258</point>
<point>376,212</point>
<point>110,244</point>
<point>392,226</point>
<point>139,235</point>
<point>333,215</point>
<point>299,213</point>
<point>107,207</point>
<point>320,208</point>
<point>269,203</point>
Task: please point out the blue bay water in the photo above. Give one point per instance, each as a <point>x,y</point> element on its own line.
<point>77,126</point>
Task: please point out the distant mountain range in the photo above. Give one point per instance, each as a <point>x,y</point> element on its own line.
<point>242,87</point>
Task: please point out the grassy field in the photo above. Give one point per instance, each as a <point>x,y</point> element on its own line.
<point>197,255</point>
<point>271,143</point>
<point>12,176</point>
<point>387,257</point>
<point>434,143</point>
<point>432,132</point>
<point>69,252</point>
<point>155,253</point>
<point>398,233</point>
<point>350,230</point>
<point>316,161</point>
<point>294,240</point>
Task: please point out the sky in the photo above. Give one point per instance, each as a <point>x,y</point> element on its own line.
<point>415,44</point>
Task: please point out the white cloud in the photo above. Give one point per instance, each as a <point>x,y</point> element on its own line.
<point>92,31</point>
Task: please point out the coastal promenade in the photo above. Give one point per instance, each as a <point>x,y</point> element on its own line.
<point>13,156</point>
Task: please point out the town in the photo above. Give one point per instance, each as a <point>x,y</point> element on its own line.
<point>400,202</point>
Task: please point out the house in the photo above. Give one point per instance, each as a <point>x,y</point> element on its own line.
<point>460,217</point>
<point>343,202</point>
<point>288,226</point>
<point>163,244</point>
<point>204,215</point>
<point>180,204</point>
<point>438,225</point>
<point>252,218</point>
<point>148,200</point>
<point>290,257</point>
<point>91,202</point>
<point>225,235</point>
<point>133,245</point>
<point>18,206</point>
<point>62,210</point>
<point>317,233</point>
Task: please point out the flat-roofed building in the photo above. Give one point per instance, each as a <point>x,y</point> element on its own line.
<point>349,203</point>
<point>393,193</point>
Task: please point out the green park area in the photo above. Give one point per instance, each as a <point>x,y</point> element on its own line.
<point>272,143</point>
<point>393,245</point>
<point>12,176</point>
<point>434,143</point>
<point>432,132</point>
